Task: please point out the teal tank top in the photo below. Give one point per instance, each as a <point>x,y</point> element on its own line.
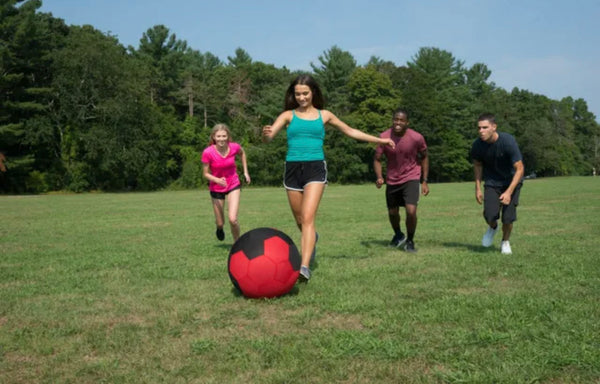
<point>305,139</point>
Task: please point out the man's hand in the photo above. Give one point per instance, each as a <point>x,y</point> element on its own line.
<point>505,198</point>
<point>479,196</point>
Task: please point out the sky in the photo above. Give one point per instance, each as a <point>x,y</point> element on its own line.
<point>549,47</point>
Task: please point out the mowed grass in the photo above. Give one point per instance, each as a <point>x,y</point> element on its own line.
<point>133,288</point>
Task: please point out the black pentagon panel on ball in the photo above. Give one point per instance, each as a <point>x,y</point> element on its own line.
<point>294,257</point>
<point>252,242</point>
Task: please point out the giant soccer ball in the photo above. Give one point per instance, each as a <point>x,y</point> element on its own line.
<point>264,262</point>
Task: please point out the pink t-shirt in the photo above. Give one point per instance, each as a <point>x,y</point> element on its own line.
<point>222,166</point>
<point>402,161</point>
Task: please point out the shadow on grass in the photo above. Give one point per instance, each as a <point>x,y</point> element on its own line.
<point>470,247</point>
<point>349,256</point>
<point>293,292</point>
<point>358,254</point>
<point>375,243</point>
<point>226,246</point>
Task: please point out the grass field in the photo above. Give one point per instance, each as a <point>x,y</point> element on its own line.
<point>133,288</point>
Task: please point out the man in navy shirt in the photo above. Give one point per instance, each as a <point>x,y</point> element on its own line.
<point>498,162</point>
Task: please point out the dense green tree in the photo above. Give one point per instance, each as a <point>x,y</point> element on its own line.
<point>372,98</point>
<point>439,103</point>
<point>537,146</point>
<point>241,59</point>
<point>482,93</point>
<point>108,130</point>
<point>586,134</point>
<point>265,103</point>
<point>544,129</point>
<point>268,86</point>
<point>26,40</point>
<point>204,89</point>
<point>386,67</point>
<point>257,92</point>
<point>477,80</point>
<point>205,86</point>
<point>163,56</point>
<point>333,73</point>
<point>265,161</point>
<point>238,74</point>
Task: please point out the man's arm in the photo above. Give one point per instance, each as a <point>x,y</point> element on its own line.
<point>478,170</point>
<point>378,170</point>
<point>424,173</point>
<point>517,177</point>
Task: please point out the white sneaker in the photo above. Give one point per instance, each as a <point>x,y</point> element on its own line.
<point>488,237</point>
<point>506,248</point>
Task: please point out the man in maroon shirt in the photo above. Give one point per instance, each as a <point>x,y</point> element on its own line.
<point>406,176</point>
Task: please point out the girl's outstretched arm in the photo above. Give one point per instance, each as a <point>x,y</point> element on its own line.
<point>270,131</point>
<point>330,118</point>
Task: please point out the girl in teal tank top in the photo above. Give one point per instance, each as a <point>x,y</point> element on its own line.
<point>305,139</point>
<point>305,120</point>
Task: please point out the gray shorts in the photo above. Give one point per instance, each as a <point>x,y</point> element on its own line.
<point>492,205</point>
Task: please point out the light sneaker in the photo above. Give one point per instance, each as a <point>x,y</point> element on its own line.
<point>488,237</point>
<point>506,248</point>
<point>398,240</point>
<point>304,274</point>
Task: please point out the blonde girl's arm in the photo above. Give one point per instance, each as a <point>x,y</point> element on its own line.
<point>245,165</point>
<point>208,176</point>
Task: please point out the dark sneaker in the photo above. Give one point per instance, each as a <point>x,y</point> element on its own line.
<point>304,274</point>
<point>410,246</point>
<point>314,252</point>
<point>220,234</point>
<point>398,240</point>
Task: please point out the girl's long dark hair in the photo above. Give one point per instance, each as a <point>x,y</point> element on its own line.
<point>317,96</point>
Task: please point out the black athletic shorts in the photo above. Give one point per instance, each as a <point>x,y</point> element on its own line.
<point>221,195</point>
<point>492,204</point>
<point>402,194</point>
<point>299,173</point>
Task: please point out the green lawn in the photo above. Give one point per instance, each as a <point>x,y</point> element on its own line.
<point>133,288</point>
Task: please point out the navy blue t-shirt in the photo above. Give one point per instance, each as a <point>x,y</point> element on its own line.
<point>498,159</point>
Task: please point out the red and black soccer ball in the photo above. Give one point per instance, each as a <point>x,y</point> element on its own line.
<point>264,262</point>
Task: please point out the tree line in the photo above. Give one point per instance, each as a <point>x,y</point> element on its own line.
<point>79,111</point>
